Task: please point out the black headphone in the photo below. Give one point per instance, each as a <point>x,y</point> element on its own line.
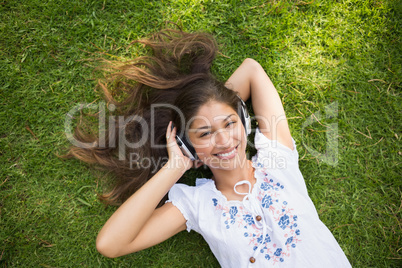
<point>188,149</point>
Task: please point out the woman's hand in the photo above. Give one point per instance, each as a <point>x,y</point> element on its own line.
<point>176,157</point>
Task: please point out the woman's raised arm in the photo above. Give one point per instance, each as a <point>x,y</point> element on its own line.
<point>250,79</point>
<point>136,224</point>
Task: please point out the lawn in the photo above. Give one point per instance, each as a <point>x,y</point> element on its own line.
<point>336,64</point>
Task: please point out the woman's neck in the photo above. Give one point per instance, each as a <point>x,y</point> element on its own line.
<point>225,180</point>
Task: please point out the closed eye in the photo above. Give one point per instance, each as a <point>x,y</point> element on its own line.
<point>205,134</point>
<point>230,123</point>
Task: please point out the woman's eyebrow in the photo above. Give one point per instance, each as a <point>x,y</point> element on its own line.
<point>208,127</point>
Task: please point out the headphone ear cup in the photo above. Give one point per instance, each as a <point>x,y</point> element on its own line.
<point>190,148</point>
<point>186,147</point>
<point>244,116</point>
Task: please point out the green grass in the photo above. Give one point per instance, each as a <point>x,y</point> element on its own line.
<point>317,53</point>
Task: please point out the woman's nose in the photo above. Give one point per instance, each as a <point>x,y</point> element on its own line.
<point>221,138</point>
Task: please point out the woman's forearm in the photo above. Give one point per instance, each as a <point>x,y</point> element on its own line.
<point>240,81</point>
<point>126,223</point>
<point>250,80</point>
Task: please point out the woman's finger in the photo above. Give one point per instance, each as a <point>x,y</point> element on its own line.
<point>197,164</point>
<point>168,130</point>
<point>170,136</point>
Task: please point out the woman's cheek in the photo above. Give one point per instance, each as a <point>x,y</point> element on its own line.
<point>203,151</point>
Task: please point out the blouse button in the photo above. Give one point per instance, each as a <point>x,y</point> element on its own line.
<point>258,218</point>
<point>252,260</point>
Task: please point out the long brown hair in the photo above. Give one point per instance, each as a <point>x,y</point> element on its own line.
<point>176,73</point>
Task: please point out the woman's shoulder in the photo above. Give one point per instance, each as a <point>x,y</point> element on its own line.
<point>261,142</point>
<point>201,184</point>
<point>189,199</point>
<point>273,154</point>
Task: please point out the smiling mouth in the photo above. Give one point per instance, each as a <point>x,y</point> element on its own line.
<point>228,155</point>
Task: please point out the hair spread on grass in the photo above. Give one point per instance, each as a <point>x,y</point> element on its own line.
<point>177,72</point>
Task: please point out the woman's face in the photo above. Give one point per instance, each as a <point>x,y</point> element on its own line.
<point>218,136</point>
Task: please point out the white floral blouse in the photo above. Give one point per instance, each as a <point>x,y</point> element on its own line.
<point>276,224</point>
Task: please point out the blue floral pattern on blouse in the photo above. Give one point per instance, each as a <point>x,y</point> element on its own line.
<point>237,216</point>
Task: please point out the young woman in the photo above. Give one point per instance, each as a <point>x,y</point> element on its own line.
<point>252,213</point>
